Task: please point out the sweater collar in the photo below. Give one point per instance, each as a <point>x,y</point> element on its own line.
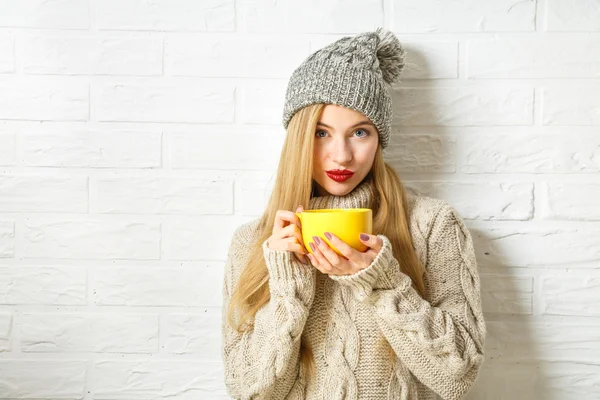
<point>360,197</point>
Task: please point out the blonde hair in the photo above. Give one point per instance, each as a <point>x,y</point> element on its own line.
<point>296,163</point>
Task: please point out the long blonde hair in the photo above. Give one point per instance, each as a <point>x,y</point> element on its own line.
<point>296,164</point>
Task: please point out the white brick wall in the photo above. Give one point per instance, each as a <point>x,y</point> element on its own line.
<point>136,136</point>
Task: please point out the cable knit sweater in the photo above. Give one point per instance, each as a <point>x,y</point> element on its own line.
<point>373,336</point>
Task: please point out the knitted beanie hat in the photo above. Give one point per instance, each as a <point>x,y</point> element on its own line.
<point>352,72</point>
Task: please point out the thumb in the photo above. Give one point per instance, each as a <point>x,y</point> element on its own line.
<point>299,209</point>
<point>372,241</point>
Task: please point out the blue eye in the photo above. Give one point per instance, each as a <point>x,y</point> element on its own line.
<point>365,134</point>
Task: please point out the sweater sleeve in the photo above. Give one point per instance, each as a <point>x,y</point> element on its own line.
<point>441,340</point>
<point>263,363</point>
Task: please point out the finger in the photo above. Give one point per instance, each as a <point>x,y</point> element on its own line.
<point>315,263</point>
<point>284,217</point>
<point>290,244</point>
<point>326,265</point>
<point>293,231</point>
<point>299,209</point>
<point>374,242</point>
<point>347,251</point>
<point>301,258</point>
<point>333,257</point>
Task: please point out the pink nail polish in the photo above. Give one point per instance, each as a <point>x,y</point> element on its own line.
<point>317,240</point>
<point>312,246</point>
<point>328,235</point>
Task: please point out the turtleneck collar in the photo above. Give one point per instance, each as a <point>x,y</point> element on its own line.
<point>360,197</point>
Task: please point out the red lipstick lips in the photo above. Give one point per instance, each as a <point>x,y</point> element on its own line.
<point>339,175</point>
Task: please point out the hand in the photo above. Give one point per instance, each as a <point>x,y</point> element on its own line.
<point>287,234</point>
<point>326,260</point>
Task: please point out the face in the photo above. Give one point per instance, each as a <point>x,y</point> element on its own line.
<point>344,140</point>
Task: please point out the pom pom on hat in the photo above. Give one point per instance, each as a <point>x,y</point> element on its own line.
<point>390,55</point>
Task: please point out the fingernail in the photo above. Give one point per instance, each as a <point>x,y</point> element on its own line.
<point>328,235</point>
<point>364,236</point>
<point>312,246</point>
<point>317,240</point>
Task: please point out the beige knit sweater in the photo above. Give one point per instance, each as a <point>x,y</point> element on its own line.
<point>351,321</point>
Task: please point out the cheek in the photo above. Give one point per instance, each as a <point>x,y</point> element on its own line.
<point>366,155</point>
<point>317,157</point>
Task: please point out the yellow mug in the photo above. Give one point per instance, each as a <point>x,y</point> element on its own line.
<point>345,223</point>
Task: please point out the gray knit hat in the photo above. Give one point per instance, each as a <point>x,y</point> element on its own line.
<point>352,72</point>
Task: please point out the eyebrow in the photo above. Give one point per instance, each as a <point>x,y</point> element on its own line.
<point>353,126</point>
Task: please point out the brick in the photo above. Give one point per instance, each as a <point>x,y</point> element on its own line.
<point>535,380</point>
<point>61,194</point>
<point>571,201</point>
<point>43,98</point>
<point>65,14</point>
<point>6,323</point>
<point>313,16</point>
<point>531,246</point>
<point>543,340</point>
<point>430,60</point>
<point>31,379</point>
<point>485,201</point>
<point>248,57</point>
<point>570,105</point>
<point>580,16</point>
<point>531,153</point>
<point>91,149</point>
<point>422,153</point>
<point>157,379</point>
<point>462,106</point>
<point>90,238</point>
<point>7,149</point>
<point>571,296</point>
<point>167,15</point>
<point>7,239</point>
<point>533,58</point>
<point>7,54</point>
<point>438,16</point>
<point>91,56</point>
<point>43,285</point>
<point>199,335</point>
<point>161,195</point>
<point>262,102</point>
<point>253,195</point>
<point>159,287</point>
<point>100,333</point>
<point>164,100</point>
<point>184,240</point>
<point>215,150</point>
<point>507,294</point>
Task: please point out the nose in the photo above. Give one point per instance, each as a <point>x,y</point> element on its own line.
<point>341,152</point>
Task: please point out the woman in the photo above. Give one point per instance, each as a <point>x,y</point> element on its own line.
<point>403,319</point>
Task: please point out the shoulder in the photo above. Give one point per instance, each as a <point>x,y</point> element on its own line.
<point>245,233</point>
<point>436,220</point>
<point>238,253</point>
<point>423,211</point>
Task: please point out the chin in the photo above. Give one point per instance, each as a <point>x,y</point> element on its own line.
<point>338,189</point>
